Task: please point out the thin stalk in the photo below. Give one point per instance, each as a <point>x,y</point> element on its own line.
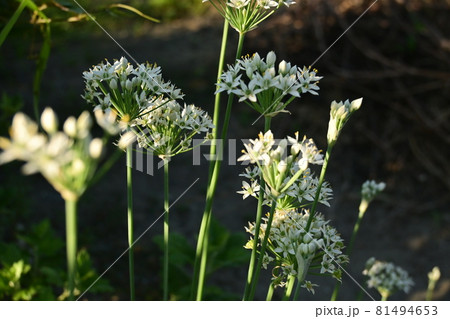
<point>251,265</point>
<point>262,251</point>
<point>297,290</point>
<point>166,233</point>
<point>216,117</point>
<point>270,292</point>
<point>71,245</point>
<point>384,297</point>
<point>130,220</point>
<point>319,186</point>
<point>289,288</point>
<point>349,250</point>
<point>202,243</point>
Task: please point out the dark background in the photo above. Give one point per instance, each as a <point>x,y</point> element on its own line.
<point>397,56</point>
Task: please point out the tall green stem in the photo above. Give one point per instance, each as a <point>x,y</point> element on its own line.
<point>349,250</point>
<point>262,251</point>
<point>130,220</point>
<point>270,292</point>
<point>212,151</point>
<point>289,287</point>
<point>166,232</point>
<point>202,243</point>
<point>71,244</point>
<point>297,290</point>
<point>262,187</point>
<point>319,186</point>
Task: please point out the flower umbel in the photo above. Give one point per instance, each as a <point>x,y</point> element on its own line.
<point>167,128</point>
<point>386,277</point>
<point>369,190</point>
<point>245,15</point>
<point>280,168</point>
<point>67,159</point>
<point>126,89</point>
<point>265,88</point>
<point>296,252</point>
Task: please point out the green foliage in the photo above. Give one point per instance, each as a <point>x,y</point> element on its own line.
<point>33,268</point>
<point>171,9</point>
<point>9,105</point>
<point>225,250</point>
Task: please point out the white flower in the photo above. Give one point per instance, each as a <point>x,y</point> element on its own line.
<point>249,190</point>
<point>298,251</point>
<point>386,277</point>
<point>238,4</point>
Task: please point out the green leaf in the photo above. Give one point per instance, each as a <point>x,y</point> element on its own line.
<point>133,10</point>
<point>7,28</point>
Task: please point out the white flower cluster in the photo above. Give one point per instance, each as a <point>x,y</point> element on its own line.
<point>245,15</point>
<point>126,89</point>
<point>386,277</point>
<point>167,128</point>
<point>340,112</point>
<point>300,194</point>
<point>280,168</point>
<point>296,252</point>
<point>263,87</point>
<point>67,159</point>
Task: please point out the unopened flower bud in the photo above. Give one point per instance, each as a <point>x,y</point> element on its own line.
<point>113,84</point>
<point>96,148</point>
<point>70,127</point>
<point>271,58</point>
<point>49,121</point>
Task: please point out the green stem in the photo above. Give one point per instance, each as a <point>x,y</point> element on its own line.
<point>319,187</point>
<point>349,250</point>
<point>130,220</point>
<point>251,265</point>
<point>297,290</point>
<point>166,232</point>
<point>384,297</point>
<point>216,117</point>
<point>289,288</point>
<point>262,251</point>
<point>71,244</point>
<point>270,292</point>
<point>9,25</point>
<point>202,243</point>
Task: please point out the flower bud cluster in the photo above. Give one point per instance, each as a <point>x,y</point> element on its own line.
<point>296,252</point>
<point>340,112</point>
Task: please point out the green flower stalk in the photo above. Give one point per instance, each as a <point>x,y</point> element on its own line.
<point>386,278</point>
<point>165,130</point>
<point>68,159</point>
<point>369,190</point>
<point>245,15</point>
<point>340,113</point>
<point>128,91</point>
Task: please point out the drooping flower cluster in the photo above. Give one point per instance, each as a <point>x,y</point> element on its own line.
<point>263,87</point>
<point>340,112</point>
<point>296,252</point>
<point>245,15</point>
<point>386,277</point>
<point>369,190</point>
<point>126,89</point>
<point>67,159</point>
<point>167,128</point>
<point>279,168</point>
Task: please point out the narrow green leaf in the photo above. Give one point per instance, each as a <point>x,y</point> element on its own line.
<point>7,28</point>
<point>134,10</point>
